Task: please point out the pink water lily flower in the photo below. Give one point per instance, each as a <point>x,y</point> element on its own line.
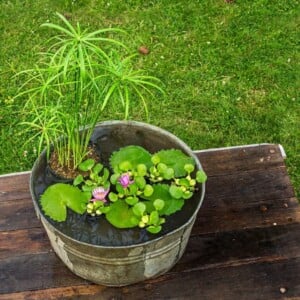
<point>99,194</point>
<point>125,180</point>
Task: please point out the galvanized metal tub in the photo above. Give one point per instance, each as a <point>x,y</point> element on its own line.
<point>112,261</point>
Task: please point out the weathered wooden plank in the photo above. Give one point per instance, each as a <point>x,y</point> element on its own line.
<point>227,196</point>
<point>268,280</point>
<point>254,186</point>
<point>214,219</point>
<point>245,282</point>
<point>22,242</point>
<point>240,247</point>
<point>17,214</point>
<point>14,186</point>
<point>72,292</point>
<point>244,244</point>
<point>231,160</point>
<point>35,271</point>
<point>216,250</point>
<point>247,199</point>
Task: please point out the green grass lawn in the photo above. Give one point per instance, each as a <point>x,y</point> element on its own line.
<point>231,70</point>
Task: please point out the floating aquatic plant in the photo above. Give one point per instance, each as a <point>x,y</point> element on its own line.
<point>138,189</point>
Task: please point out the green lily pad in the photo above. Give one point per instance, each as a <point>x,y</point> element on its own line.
<point>121,215</point>
<point>132,155</point>
<point>59,196</point>
<point>176,160</point>
<point>171,204</point>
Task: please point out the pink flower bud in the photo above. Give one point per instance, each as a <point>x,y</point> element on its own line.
<point>125,180</point>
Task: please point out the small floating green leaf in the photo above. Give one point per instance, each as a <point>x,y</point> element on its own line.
<point>121,215</point>
<point>154,229</point>
<point>59,196</point>
<point>133,188</point>
<point>114,178</point>
<point>86,165</point>
<point>97,168</point>
<point>79,179</point>
<point>201,176</point>
<point>141,169</point>
<point>168,173</point>
<point>125,166</point>
<point>131,200</point>
<point>187,195</point>
<point>161,191</point>
<point>184,182</point>
<point>154,218</point>
<point>189,168</point>
<point>176,160</point>
<point>148,191</point>
<point>139,209</point>
<point>113,197</point>
<point>133,155</point>
<point>155,159</point>
<point>158,204</point>
<point>176,192</point>
<point>140,182</point>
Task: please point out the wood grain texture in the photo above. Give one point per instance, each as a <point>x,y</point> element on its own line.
<point>18,214</point>
<point>21,242</point>
<point>245,243</point>
<point>246,282</point>
<point>230,160</point>
<point>14,187</point>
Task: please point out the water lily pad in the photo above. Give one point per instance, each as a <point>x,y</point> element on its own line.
<point>176,160</point>
<point>59,196</point>
<point>132,155</point>
<point>121,215</point>
<point>171,204</point>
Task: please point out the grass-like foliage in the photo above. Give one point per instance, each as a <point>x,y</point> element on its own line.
<point>230,70</point>
<point>79,75</point>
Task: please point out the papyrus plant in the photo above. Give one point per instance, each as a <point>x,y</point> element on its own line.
<point>80,75</point>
